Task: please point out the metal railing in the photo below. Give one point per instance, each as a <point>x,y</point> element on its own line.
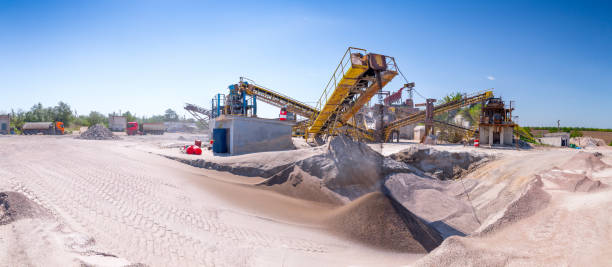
<point>336,77</point>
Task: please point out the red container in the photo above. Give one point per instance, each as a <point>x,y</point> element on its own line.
<point>198,143</point>
<point>476,143</point>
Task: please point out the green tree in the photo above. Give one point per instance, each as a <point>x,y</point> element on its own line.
<point>129,116</point>
<point>96,118</point>
<point>575,133</point>
<point>63,113</point>
<point>170,115</point>
<point>451,97</point>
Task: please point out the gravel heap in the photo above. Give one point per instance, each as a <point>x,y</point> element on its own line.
<point>98,132</point>
<point>587,141</point>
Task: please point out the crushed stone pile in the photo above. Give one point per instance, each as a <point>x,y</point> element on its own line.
<point>441,164</point>
<point>532,199</point>
<point>15,206</point>
<point>561,217</point>
<point>587,141</point>
<point>575,174</point>
<point>98,132</point>
<point>585,161</point>
<point>346,171</point>
<point>442,204</point>
<point>378,220</point>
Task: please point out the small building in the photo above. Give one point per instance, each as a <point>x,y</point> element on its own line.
<point>5,124</point>
<point>555,139</point>
<point>251,135</point>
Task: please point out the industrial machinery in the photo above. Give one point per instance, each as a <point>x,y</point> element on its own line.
<point>201,114</point>
<point>431,110</point>
<point>237,103</point>
<point>357,78</point>
<point>496,125</point>
<point>50,128</point>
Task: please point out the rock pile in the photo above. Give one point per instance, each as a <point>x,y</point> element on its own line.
<point>98,132</point>
<point>587,141</point>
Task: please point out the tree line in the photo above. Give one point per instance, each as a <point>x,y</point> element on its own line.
<point>64,113</point>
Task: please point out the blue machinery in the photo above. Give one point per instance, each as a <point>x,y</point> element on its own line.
<point>237,102</point>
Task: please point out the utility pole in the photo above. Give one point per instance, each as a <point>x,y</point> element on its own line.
<point>558,125</point>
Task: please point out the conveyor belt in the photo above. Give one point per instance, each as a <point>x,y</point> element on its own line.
<point>452,105</point>
<point>352,85</point>
<point>276,99</point>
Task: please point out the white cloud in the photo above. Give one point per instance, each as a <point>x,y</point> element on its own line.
<point>491,78</point>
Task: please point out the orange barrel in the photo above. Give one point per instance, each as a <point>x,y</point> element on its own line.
<point>476,144</point>
<point>198,143</point>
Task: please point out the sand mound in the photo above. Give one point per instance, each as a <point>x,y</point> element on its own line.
<point>456,252</point>
<point>440,203</point>
<point>295,182</point>
<point>587,141</point>
<point>586,162</point>
<point>98,132</point>
<point>531,200</point>
<point>15,206</point>
<point>382,222</point>
<point>349,169</point>
<point>572,182</point>
<point>441,164</point>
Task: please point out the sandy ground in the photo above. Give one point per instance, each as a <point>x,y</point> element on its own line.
<point>112,203</point>
<point>129,201</point>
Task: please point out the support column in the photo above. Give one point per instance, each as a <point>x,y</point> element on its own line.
<point>490,136</point>
<point>501,136</point>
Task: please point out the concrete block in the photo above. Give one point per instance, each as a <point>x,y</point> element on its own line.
<point>251,135</point>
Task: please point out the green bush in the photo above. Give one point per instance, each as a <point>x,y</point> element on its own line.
<point>610,144</point>
<point>575,133</point>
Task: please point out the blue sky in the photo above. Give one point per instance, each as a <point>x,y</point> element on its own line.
<point>554,58</point>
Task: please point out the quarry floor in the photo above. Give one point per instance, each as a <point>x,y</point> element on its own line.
<point>125,202</point>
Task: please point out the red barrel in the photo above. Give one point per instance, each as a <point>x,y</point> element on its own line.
<point>198,143</point>
<point>197,150</point>
<point>476,144</point>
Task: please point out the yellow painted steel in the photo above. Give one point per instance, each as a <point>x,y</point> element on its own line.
<point>339,94</point>
<point>277,99</point>
<point>365,97</point>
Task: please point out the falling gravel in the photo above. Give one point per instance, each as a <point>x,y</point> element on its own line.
<point>98,132</point>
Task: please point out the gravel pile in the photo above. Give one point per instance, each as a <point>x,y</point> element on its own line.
<point>98,132</point>
<point>587,141</point>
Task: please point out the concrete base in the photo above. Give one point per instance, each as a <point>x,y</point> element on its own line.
<point>250,135</point>
<point>495,135</point>
<point>419,132</point>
